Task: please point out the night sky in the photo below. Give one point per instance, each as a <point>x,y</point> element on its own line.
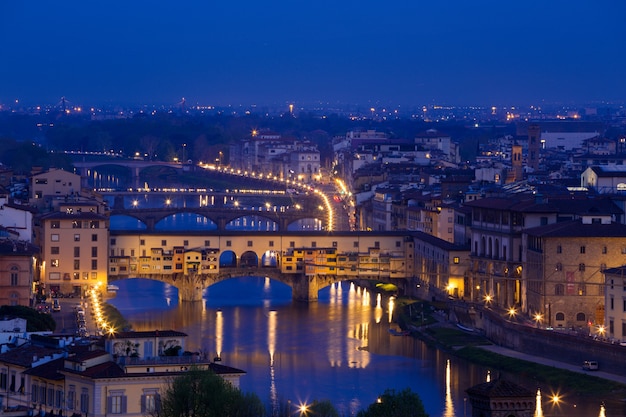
<point>455,52</point>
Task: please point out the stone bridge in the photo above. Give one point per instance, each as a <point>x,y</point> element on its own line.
<point>304,288</point>
<point>221,216</point>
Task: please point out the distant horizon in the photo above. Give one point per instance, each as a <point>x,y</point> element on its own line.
<point>366,106</point>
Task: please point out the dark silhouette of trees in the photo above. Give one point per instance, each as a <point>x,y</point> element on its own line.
<point>396,404</point>
<point>202,393</point>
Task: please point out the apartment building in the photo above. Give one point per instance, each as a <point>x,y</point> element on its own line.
<point>74,245</point>
<point>615,310</point>
<point>564,269</point>
<point>17,261</point>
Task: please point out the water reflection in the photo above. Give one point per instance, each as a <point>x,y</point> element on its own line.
<point>337,349</point>
<point>448,410</point>
<point>538,410</point>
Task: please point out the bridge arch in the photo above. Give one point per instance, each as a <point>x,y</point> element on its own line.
<point>252,219</point>
<point>191,220</point>
<point>126,222</point>
<point>228,259</point>
<point>249,259</point>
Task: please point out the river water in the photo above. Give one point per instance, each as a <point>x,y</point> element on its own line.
<point>338,349</point>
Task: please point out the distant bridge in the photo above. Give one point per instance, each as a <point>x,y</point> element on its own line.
<point>134,166</point>
<point>221,216</point>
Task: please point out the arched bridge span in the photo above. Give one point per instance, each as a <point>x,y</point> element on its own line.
<point>220,216</point>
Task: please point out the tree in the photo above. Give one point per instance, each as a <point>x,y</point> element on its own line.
<point>203,393</point>
<point>322,409</point>
<point>391,404</point>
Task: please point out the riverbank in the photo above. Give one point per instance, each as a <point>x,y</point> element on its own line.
<point>442,332</point>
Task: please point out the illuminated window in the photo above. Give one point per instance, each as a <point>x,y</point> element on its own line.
<point>456,260</point>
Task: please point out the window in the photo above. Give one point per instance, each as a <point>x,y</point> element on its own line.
<point>292,244</point>
<point>55,224</point>
<point>94,224</point>
<point>94,251</point>
<point>560,317</point>
<point>116,402</point>
<point>580,317</point>
<point>559,267</point>
<point>559,289</point>
<point>612,303</point>
<point>94,275</point>
<point>185,243</point>
<point>583,249</point>
<point>94,237</point>
<point>249,243</point>
<point>54,250</point>
<point>581,267</point>
<point>94,264</point>
<point>604,250</point>
<point>14,275</point>
<point>70,397</point>
<point>33,392</point>
<point>271,243</point>
<point>456,260</point>
<point>314,244</point>
<point>76,264</point>
<point>207,243</point>
<point>355,244</point>
<point>77,225</point>
<point>229,243</point>
<point>113,241</point>
<point>377,245</point>
<point>150,402</point>
<point>54,263</point>
<point>54,237</point>
<point>559,249</point>
<point>76,251</point>
<point>84,400</point>
<point>163,242</point>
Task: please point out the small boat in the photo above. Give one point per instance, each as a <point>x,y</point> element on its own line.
<point>112,288</point>
<point>464,328</point>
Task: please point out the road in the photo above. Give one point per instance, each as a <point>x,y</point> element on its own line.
<point>551,362</point>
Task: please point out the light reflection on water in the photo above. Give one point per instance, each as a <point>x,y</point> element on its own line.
<point>337,349</point>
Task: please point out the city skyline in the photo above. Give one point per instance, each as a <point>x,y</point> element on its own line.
<point>451,52</point>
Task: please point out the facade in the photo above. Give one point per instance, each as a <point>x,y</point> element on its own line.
<point>605,178</point>
<point>615,310</point>
<point>17,261</point>
<point>564,274</point>
<point>501,398</point>
<point>442,266</point>
<point>16,219</point>
<point>74,246</point>
<point>497,225</point>
<point>46,186</point>
<point>92,382</point>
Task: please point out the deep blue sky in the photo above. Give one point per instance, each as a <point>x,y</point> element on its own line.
<point>413,52</point>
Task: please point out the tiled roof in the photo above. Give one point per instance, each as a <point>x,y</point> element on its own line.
<point>25,356</point>
<point>48,370</point>
<point>86,355</point>
<point>575,228</point>
<point>103,370</point>
<point>500,388</point>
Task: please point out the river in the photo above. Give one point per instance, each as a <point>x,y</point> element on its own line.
<point>338,349</point>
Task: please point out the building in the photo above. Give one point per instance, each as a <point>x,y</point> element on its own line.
<point>17,262</point>
<point>501,398</point>
<point>497,225</point>
<point>82,379</point>
<point>604,178</point>
<point>52,184</point>
<point>74,247</point>
<point>442,267</point>
<point>564,275</point>
<point>16,219</point>
<point>615,310</point>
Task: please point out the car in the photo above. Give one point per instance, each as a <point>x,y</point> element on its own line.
<point>590,365</point>
<point>55,305</point>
